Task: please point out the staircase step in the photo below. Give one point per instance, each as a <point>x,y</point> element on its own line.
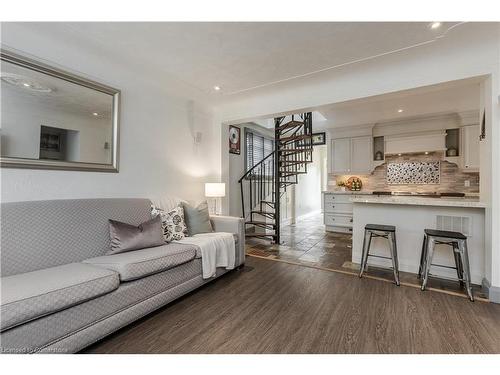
<point>263,213</point>
<point>268,202</point>
<point>290,173</point>
<point>295,138</point>
<point>262,223</point>
<point>293,162</point>
<point>290,124</point>
<point>261,235</point>
<point>293,150</point>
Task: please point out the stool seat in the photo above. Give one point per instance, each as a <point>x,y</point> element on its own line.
<point>445,234</point>
<point>381,228</point>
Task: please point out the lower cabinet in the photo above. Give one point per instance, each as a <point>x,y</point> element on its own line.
<point>337,211</point>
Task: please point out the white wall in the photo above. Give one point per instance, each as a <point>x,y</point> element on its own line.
<point>468,51</point>
<point>308,190</point>
<point>158,155</point>
<point>237,166</point>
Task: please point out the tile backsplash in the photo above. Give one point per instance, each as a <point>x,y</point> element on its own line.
<point>417,173</point>
<point>413,172</point>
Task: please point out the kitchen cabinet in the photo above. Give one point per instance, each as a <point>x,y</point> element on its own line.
<point>361,154</point>
<point>341,155</point>
<point>337,212</point>
<point>470,148</point>
<point>351,155</point>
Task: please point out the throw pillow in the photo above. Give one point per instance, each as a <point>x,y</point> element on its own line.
<point>127,237</point>
<point>197,218</point>
<point>174,227</point>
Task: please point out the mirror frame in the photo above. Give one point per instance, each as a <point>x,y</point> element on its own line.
<point>29,63</point>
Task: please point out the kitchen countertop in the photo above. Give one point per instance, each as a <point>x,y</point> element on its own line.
<point>347,192</point>
<point>420,201</point>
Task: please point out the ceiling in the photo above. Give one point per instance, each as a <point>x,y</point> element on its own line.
<point>242,56</point>
<point>450,97</point>
<point>446,98</point>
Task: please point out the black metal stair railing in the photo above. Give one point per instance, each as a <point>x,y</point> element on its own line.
<point>257,194</point>
<point>263,185</point>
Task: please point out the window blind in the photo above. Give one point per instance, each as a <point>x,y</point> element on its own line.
<point>257,148</point>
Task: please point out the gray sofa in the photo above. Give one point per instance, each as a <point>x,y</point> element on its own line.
<point>60,293</point>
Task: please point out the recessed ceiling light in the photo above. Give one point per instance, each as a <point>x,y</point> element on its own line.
<point>95,114</point>
<point>400,110</point>
<point>435,25</point>
<point>26,83</point>
<point>216,88</point>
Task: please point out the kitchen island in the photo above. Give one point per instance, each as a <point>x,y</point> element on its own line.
<point>411,215</point>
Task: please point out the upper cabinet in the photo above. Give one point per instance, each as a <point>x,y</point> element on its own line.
<point>361,155</point>
<point>470,148</point>
<point>341,155</point>
<point>351,155</point>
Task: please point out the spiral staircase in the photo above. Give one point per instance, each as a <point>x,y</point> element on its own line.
<point>263,186</point>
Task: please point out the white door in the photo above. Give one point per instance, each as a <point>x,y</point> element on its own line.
<point>341,155</point>
<point>361,155</point>
<point>471,147</point>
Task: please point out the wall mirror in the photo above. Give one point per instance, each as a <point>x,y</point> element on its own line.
<point>52,119</point>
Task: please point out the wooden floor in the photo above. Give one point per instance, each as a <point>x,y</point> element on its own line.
<point>273,307</point>
<point>307,243</point>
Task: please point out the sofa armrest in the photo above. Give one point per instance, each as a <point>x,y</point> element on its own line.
<point>235,225</point>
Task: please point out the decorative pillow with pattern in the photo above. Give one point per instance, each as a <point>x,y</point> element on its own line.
<point>174,226</point>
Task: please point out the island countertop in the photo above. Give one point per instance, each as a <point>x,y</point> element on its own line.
<point>420,201</point>
<point>348,192</point>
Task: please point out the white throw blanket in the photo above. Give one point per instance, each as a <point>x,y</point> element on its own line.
<point>217,250</point>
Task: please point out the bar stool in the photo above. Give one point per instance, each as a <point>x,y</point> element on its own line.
<point>388,232</point>
<point>458,243</point>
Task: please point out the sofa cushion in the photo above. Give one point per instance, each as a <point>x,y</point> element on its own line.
<point>197,218</point>
<point>140,263</point>
<point>126,237</point>
<point>30,295</point>
<point>174,226</point>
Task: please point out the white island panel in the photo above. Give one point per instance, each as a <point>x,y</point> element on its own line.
<point>410,221</point>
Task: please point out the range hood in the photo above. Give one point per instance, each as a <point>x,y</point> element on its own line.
<point>415,142</point>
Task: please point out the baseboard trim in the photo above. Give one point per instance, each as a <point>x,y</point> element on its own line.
<point>288,221</point>
<point>493,292</point>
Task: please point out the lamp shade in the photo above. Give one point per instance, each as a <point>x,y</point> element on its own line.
<point>215,189</point>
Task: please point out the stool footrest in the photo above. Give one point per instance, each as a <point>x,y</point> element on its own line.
<point>443,266</point>
<point>379,256</point>
<point>446,278</point>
